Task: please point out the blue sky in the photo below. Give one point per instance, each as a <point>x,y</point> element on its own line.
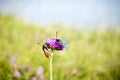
<point>69,12</point>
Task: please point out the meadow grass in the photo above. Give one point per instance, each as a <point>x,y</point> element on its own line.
<point>91,55</point>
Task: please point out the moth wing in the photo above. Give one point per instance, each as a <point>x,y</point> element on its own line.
<point>65,43</point>
<point>46,52</point>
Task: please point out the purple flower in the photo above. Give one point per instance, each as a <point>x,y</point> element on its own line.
<point>12,60</point>
<point>16,74</point>
<point>33,77</point>
<point>55,44</point>
<point>40,73</point>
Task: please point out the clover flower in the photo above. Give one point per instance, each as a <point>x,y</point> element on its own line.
<point>39,73</point>
<point>16,74</point>
<point>12,60</point>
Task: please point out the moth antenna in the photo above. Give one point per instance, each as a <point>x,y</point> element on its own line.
<point>39,43</point>
<point>56,34</point>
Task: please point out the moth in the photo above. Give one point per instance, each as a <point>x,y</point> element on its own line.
<point>46,51</point>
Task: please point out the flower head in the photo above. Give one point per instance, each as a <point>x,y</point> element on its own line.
<point>40,73</point>
<point>55,44</point>
<point>16,74</point>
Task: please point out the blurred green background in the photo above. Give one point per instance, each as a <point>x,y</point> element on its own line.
<point>91,54</point>
<point>92,28</point>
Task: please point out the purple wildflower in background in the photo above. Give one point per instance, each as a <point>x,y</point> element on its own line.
<point>40,73</point>
<point>12,60</point>
<point>33,77</point>
<point>16,74</point>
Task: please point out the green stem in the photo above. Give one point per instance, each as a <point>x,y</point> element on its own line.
<point>51,66</point>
